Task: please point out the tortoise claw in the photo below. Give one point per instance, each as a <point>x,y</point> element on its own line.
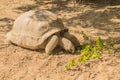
<point>72,50</point>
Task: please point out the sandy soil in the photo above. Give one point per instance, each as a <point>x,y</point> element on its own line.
<point>17,63</point>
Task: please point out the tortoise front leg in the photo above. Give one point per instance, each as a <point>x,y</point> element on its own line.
<point>52,43</point>
<point>72,38</point>
<point>67,45</point>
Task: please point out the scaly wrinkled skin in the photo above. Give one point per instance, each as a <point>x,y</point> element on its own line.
<point>63,41</point>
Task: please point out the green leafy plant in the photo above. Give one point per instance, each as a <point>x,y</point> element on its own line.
<point>90,51</point>
<point>85,36</point>
<point>67,67</point>
<point>71,64</point>
<point>82,59</point>
<point>112,42</point>
<point>109,51</point>
<point>99,43</point>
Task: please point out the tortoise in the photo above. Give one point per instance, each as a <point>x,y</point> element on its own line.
<point>40,29</point>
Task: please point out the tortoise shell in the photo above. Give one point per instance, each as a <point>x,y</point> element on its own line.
<point>33,28</point>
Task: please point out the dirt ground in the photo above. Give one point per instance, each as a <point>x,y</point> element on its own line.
<point>17,63</point>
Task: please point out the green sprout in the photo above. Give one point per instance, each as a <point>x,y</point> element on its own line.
<point>71,64</point>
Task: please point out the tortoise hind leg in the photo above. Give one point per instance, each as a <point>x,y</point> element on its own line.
<point>52,43</point>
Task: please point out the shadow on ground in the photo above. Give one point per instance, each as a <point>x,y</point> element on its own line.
<point>106,19</point>
<point>7,24</point>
